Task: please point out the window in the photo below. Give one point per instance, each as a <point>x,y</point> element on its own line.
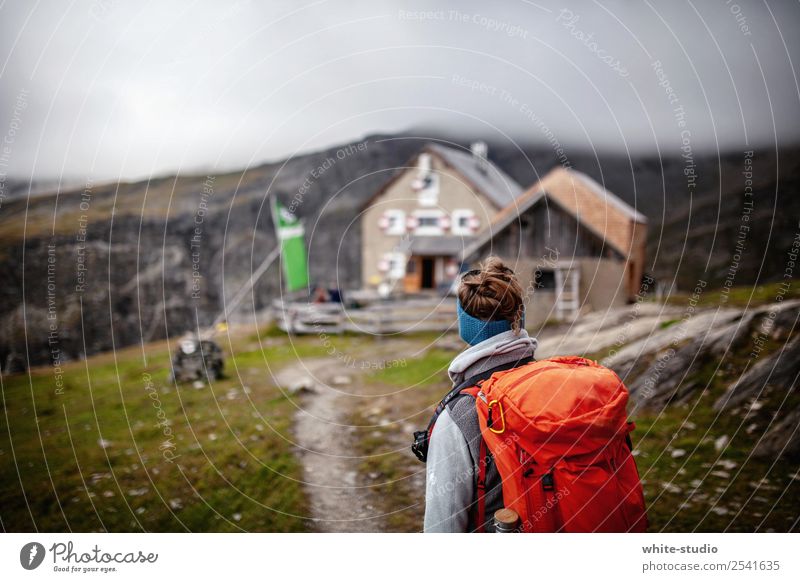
<point>426,182</point>
<point>544,279</point>
<point>429,190</point>
<point>429,222</point>
<point>464,222</point>
<point>397,265</point>
<point>394,222</point>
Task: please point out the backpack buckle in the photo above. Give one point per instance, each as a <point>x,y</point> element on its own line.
<point>490,422</point>
<point>420,445</point>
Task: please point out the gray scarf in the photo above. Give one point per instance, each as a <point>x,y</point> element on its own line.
<point>500,349</point>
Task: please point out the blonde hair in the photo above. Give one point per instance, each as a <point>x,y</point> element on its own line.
<point>492,292</point>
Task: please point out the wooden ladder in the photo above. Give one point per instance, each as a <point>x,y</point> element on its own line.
<point>567,299</point>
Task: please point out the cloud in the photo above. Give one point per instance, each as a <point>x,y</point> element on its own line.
<point>126,90</point>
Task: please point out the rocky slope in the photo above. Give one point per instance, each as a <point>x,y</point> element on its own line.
<point>746,362</point>
<point>109,265</point>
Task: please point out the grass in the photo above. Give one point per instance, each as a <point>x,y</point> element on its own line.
<point>93,458</point>
<point>423,371</point>
<point>387,463</point>
<point>236,469</point>
<point>739,296</point>
<point>668,323</point>
<point>701,490</point>
<point>709,488</point>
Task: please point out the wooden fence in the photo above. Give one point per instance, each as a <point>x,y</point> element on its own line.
<point>378,318</point>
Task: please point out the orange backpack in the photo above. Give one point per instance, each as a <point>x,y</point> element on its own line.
<point>559,435</point>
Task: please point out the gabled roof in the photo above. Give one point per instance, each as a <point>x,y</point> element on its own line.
<point>594,207</point>
<point>493,182</point>
<point>490,181</point>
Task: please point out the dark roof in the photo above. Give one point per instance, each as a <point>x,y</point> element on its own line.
<point>498,186</point>
<point>439,245</point>
<point>491,181</point>
<point>594,207</point>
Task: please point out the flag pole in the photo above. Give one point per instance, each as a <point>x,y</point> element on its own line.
<point>276,227</point>
<point>240,294</point>
<point>229,307</point>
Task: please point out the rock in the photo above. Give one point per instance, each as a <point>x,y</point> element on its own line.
<point>782,439</point>
<point>671,488</point>
<point>778,369</point>
<point>660,371</point>
<point>676,453</point>
<point>721,474</point>
<point>304,385</point>
<point>721,442</point>
<point>104,444</point>
<point>727,464</point>
<point>666,356</point>
<point>720,510</point>
<point>197,360</point>
<point>198,385</point>
<point>341,380</point>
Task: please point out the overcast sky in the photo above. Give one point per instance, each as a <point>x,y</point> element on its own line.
<point>109,89</point>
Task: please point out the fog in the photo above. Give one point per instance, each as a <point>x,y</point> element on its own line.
<point>125,90</point>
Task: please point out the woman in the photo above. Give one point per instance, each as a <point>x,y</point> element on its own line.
<point>491,320</point>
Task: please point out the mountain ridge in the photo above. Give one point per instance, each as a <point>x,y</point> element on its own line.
<point>141,250</point>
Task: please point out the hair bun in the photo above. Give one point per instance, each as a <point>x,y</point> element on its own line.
<point>492,293</point>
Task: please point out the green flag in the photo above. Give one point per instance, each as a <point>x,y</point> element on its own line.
<point>293,249</point>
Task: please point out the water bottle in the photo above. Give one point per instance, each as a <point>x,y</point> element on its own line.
<point>506,521</point>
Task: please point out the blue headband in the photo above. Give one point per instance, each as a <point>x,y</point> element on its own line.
<point>473,330</point>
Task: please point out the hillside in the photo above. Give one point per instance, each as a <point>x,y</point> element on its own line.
<point>151,259</point>
<point>296,438</point>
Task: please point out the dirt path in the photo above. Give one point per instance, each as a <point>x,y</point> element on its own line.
<point>330,465</point>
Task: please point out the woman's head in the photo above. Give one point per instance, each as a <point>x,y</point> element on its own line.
<point>493,296</point>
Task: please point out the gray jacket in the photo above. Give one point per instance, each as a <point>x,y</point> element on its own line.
<point>453,452</point>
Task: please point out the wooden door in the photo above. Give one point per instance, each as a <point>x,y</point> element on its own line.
<point>413,279</point>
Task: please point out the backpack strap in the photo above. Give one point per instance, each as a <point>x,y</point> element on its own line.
<point>422,437</point>
<point>480,512</point>
<point>630,426</point>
